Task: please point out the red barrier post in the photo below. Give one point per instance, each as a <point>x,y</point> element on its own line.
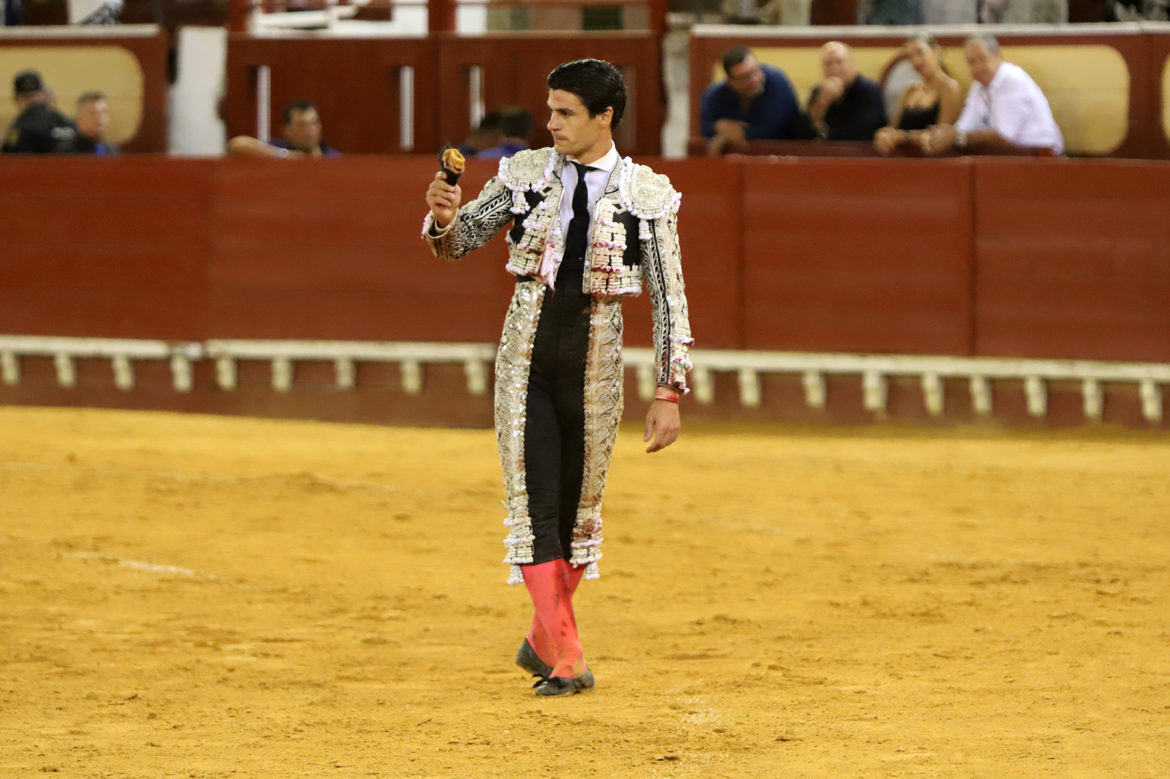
<point>440,16</point>
<point>238,15</point>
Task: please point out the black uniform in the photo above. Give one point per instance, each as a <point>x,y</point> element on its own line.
<point>40,129</point>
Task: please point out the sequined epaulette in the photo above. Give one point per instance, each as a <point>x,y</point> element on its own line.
<point>527,170</point>
<point>647,195</point>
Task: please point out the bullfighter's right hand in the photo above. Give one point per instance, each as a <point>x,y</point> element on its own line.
<point>443,199</point>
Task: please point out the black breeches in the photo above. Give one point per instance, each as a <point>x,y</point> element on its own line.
<point>554,435</point>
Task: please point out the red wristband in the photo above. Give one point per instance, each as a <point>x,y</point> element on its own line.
<point>669,394</point>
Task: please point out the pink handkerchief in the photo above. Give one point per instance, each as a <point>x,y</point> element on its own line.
<point>548,265</point>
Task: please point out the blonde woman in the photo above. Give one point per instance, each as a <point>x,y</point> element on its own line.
<point>933,100</point>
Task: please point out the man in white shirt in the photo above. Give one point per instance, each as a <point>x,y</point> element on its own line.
<point>1004,106</point>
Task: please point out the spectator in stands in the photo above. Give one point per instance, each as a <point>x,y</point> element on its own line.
<point>772,12</point>
<point>846,106</point>
<point>95,12</point>
<point>740,11</point>
<point>93,120</point>
<point>787,12</point>
<point>1023,11</point>
<point>486,135</point>
<point>39,128</point>
<point>1004,105</point>
<point>889,12</point>
<point>516,125</point>
<point>991,11</point>
<point>936,12</point>
<point>755,102</point>
<point>11,13</point>
<point>936,99</point>
<point>300,137</point>
<point>1137,10</point>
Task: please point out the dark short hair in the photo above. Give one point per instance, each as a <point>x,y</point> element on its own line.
<point>297,106</point>
<point>491,122</point>
<point>597,82</point>
<point>91,96</point>
<point>516,122</point>
<point>734,56</point>
<point>988,40</point>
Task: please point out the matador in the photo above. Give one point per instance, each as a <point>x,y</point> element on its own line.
<point>585,228</point>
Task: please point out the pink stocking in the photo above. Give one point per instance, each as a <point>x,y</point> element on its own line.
<point>538,637</point>
<point>554,628</point>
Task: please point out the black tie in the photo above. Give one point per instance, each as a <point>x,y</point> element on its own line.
<point>579,224</point>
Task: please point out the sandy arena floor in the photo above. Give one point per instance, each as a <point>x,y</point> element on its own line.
<point>208,597</point>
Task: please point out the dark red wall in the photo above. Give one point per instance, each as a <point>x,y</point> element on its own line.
<point>333,252</point>
<point>1007,257</point>
<point>1024,257</point>
<point>99,246</point>
<point>862,256</point>
<point>1073,260</point>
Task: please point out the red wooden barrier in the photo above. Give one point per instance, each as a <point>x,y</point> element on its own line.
<point>1015,257</point>
<point>1024,257</point>
<point>857,255</point>
<point>332,251</point>
<point>114,247</point>
<point>1008,257</point>
<point>1073,260</point>
<point>711,235</point>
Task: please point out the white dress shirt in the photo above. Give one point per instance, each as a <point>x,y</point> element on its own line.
<point>1012,105</point>
<point>595,181</point>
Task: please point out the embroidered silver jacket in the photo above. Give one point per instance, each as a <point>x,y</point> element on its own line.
<point>634,240</point>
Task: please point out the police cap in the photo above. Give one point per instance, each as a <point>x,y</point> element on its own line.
<point>27,82</point>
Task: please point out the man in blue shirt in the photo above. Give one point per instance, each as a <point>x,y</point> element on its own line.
<point>516,125</point>
<point>756,102</point>
<point>93,121</point>
<point>300,137</point>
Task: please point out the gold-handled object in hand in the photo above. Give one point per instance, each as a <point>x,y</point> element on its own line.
<point>452,162</point>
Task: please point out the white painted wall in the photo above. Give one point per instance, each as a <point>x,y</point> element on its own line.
<point>195,128</point>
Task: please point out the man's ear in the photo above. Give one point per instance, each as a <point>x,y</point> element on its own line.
<point>606,117</point>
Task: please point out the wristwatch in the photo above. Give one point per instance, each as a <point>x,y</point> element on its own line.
<point>960,140</point>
